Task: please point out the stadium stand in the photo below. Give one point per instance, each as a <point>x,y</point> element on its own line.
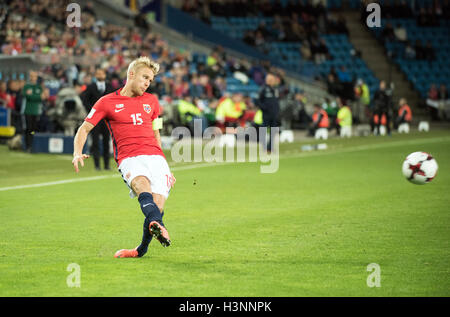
<point>299,35</point>
<point>103,43</point>
<point>423,55</point>
<point>305,42</point>
<point>283,29</point>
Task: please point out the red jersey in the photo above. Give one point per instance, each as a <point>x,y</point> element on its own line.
<point>130,123</point>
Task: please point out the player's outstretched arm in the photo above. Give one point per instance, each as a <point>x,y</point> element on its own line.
<point>78,144</point>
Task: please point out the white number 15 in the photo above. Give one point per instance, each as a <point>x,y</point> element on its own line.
<point>137,120</point>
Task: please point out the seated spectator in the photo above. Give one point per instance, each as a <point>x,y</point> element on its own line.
<point>258,74</point>
<point>319,120</point>
<point>219,87</point>
<point>180,88</point>
<point>404,112</point>
<point>305,50</point>
<point>446,9</point>
<point>443,94</point>
<point>432,102</point>
<point>422,18</point>
<point>404,10</point>
<point>207,87</point>
<point>249,37</point>
<point>259,40</point>
<point>266,8</point>
<point>400,33</point>
<point>195,89</point>
<point>343,75</point>
<point>429,53</point>
<point>140,20</point>
<point>433,93</point>
<point>332,85</point>
<point>432,17</point>
<point>410,52</point>
<point>342,25</point>
<point>277,7</point>
<point>388,33</point>
<point>444,102</point>
<point>277,30</point>
<point>205,13</point>
<point>322,53</point>
<point>263,30</point>
<point>420,51</point>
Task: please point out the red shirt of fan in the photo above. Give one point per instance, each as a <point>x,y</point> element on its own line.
<point>130,123</point>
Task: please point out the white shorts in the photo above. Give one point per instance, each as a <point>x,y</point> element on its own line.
<point>154,167</point>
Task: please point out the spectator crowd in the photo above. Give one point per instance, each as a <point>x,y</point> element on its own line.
<point>296,21</point>
<point>70,57</point>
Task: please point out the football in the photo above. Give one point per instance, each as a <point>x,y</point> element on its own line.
<point>419,168</point>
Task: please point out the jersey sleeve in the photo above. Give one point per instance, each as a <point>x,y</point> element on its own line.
<point>157,108</point>
<point>97,113</point>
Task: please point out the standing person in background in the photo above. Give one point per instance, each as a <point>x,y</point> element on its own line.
<point>344,119</point>
<point>5,98</point>
<point>382,107</point>
<point>15,91</point>
<point>33,94</point>
<point>362,93</point>
<point>94,92</point>
<point>332,108</point>
<point>269,104</point>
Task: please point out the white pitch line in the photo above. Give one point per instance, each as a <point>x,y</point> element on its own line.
<point>200,165</point>
<point>94,178</point>
<point>64,181</point>
<point>367,147</point>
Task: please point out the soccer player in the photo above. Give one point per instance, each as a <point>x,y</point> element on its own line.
<point>130,115</point>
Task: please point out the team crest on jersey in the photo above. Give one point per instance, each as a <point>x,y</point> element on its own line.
<point>147,108</point>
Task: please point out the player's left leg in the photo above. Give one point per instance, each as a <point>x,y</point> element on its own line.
<point>152,205</point>
<point>157,228</point>
<point>148,224</point>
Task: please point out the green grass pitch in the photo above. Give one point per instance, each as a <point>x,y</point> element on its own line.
<point>310,229</point>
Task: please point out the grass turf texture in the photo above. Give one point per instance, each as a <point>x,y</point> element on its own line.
<point>309,229</point>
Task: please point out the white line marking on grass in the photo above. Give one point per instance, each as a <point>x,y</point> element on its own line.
<point>64,181</point>
<point>357,148</point>
<point>94,178</point>
<point>289,156</point>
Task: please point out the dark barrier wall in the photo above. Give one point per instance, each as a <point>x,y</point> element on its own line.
<point>184,23</point>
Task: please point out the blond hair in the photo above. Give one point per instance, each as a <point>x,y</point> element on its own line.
<point>143,61</point>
